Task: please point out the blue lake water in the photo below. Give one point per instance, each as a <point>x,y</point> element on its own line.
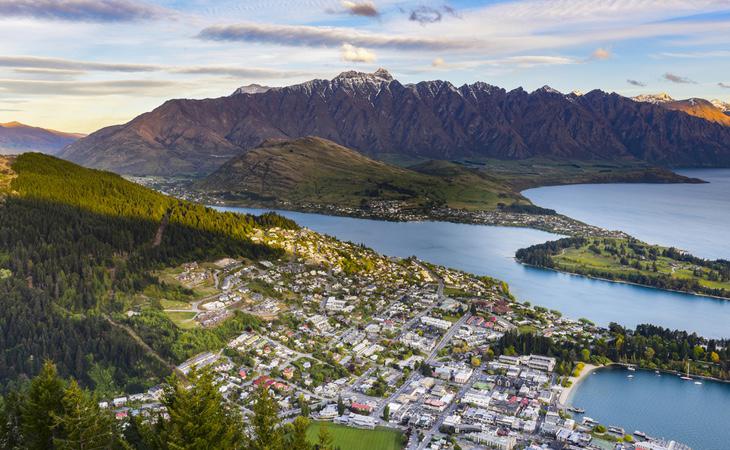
<point>661,406</point>
<point>693,217</point>
<point>490,251</point>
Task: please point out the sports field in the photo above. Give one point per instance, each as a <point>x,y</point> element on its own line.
<point>348,438</point>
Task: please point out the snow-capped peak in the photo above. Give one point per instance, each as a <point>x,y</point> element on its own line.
<point>661,97</point>
<point>549,90</point>
<point>577,93</point>
<point>251,89</point>
<point>379,75</point>
<point>722,106</point>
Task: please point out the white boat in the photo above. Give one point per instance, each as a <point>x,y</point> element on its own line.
<point>629,376</point>
<point>631,368</point>
<point>686,377</point>
<point>698,382</point>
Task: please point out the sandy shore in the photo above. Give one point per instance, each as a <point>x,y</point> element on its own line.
<point>565,394</point>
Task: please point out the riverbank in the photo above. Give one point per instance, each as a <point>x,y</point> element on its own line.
<point>575,381</point>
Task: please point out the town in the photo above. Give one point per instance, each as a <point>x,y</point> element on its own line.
<point>365,341</point>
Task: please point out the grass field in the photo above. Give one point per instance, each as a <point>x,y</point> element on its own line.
<point>173,304</point>
<point>182,319</point>
<point>600,255</point>
<point>348,438</point>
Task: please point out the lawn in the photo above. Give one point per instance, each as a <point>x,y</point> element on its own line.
<point>183,320</point>
<point>348,438</point>
<point>173,304</point>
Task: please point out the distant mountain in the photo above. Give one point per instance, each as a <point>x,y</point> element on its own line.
<point>377,115</point>
<point>315,170</point>
<point>714,111</point>
<point>16,138</point>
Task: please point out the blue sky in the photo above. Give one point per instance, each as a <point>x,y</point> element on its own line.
<point>79,65</point>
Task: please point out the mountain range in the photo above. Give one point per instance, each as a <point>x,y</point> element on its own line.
<point>16,137</point>
<point>378,116</point>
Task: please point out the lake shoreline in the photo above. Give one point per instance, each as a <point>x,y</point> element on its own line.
<point>575,381</point>
<point>630,283</point>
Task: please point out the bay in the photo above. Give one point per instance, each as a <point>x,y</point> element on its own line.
<point>489,250</point>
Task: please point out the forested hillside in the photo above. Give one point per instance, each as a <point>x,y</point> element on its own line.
<point>74,245</point>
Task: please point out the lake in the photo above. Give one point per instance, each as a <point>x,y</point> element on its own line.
<point>490,251</point>
<point>693,217</point>
<point>659,405</point>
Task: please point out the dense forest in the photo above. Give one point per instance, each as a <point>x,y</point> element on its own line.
<point>56,413</point>
<point>632,261</point>
<point>647,346</point>
<point>74,245</point>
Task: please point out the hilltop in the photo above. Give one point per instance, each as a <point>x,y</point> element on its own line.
<point>79,248</point>
<point>376,115</point>
<point>315,170</point>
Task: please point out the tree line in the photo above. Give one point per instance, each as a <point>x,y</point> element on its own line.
<point>51,412</point>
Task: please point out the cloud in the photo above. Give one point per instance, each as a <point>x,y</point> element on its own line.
<point>90,88</point>
<point>425,14</point>
<point>438,62</point>
<point>33,64</point>
<point>527,61</point>
<point>311,36</point>
<point>601,53</point>
<point>724,85</point>
<point>636,83</point>
<point>356,54</point>
<point>677,79</point>
<point>363,8</point>
<point>82,10</point>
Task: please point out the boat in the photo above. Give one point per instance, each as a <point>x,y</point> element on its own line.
<point>576,410</point>
<point>657,372</point>
<point>631,368</point>
<point>629,376</point>
<point>641,434</point>
<point>616,430</point>
<point>698,382</point>
<point>588,420</point>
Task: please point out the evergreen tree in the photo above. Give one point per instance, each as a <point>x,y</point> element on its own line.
<point>340,406</point>
<point>43,402</point>
<point>298,435</point>
<point>199,417</point>
<point>324,438</point>
<point>266,432</point>
<point>83,425</point>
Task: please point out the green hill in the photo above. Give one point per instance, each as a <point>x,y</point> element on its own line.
<point>315,170</point>
<point>77,246</point>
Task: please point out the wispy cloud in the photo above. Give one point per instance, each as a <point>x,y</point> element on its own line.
<point>89,88</point>
<point>636,83</point>
<point>82,10</point>
<point>674,78</point>
<point>527,61</point>
<point>356,54</point>
<point>724,85</point>
<point>360,8</point>
<point>303,35</point>
<point>32,64</point>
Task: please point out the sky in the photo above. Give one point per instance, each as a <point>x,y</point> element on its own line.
<point>80,65</point>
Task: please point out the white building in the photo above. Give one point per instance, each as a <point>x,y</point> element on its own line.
<point>492,440</point>
<point>436,323</point>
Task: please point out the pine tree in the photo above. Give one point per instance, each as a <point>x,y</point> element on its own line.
<point>83,425</point>
<point>199,417</point>
<point>44,400</point>
<point>324,438</point>
<point>266,433</point>
<point>298,435</point>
